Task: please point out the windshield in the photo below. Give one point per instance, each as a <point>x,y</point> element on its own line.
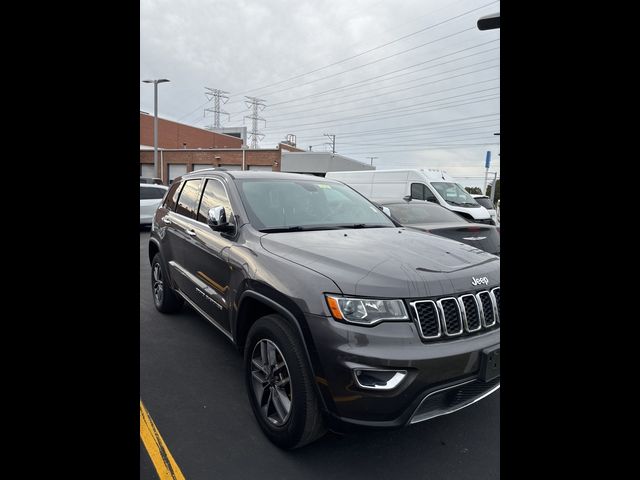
<point>418,213</point>
<point>485,202</point>
<point>454,194</point>
<point>307,204</point>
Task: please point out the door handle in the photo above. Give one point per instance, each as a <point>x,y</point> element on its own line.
<point>166,220</point>
<point>191,232</point>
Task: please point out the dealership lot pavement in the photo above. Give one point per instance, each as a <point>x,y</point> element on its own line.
<point>192,385</point>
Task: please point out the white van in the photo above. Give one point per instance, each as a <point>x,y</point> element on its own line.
<point>425,184</point>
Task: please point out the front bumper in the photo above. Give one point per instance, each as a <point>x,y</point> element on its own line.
<point>442,376</point>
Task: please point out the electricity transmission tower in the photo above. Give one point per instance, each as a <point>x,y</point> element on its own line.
<point>255,104</point>
<point>216,95</point>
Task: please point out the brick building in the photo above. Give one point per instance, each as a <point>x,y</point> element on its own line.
<point>183,148</point>
<point>177,135</point>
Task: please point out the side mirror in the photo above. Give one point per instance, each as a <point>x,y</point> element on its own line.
<point>218,220</point>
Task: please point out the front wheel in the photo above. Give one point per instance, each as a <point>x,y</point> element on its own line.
<point>280,385</point>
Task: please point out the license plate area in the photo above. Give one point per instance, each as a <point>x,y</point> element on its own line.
<point>490,363</point>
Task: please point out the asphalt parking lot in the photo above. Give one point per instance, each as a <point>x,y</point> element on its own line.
<point>191,383</point>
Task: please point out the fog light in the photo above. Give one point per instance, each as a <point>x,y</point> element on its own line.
<point>379,379</point>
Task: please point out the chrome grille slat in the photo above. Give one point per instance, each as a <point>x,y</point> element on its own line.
<point>470,312</point>
<point>451,316</point>
<point>428,319</point>
<point>495,295</point>
<point>488,308</point>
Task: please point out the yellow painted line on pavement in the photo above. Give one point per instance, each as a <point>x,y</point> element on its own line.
<point>156,448</point>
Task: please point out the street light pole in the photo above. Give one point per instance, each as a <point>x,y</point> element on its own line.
<point>155,120</point>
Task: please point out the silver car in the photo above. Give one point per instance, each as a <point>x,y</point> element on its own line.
<point>151,196</point>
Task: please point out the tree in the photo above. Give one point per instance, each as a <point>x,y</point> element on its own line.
<point>474,190</point>
<point>497,197</point>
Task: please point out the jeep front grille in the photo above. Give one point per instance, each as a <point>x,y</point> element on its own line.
<point>453,316</point>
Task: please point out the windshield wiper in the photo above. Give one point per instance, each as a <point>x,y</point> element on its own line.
<point>301,228</point>
<point>297,228</point>
<point>363,225</point>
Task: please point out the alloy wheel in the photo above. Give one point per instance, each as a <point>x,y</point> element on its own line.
<point>271,382</point>
<point>157,284</point>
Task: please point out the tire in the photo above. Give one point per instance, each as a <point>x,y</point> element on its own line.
<point>273,337</point>
<point>164,298</point>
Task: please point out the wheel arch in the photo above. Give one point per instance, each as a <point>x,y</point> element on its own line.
<point>253,305</point>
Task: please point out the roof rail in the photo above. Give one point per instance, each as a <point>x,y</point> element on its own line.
<point>206,169</point>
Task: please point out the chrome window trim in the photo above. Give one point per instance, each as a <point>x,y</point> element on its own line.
<point>495,303</point>
<point>493,308</point>
<point>444,319</point>
<point>464,312</point>
<point>438,321</point>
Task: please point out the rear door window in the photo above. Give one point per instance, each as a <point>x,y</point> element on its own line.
<point>189,198</point>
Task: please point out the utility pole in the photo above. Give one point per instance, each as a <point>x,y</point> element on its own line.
<point>493,188</point>
<point>155,120</point>
<point>216,95</point>
<point>372,159</point>
<point>333,141</point>
<point>255,104</point>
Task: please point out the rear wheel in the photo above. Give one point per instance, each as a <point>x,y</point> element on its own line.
<point>164,298</point>
<point>280,384</point>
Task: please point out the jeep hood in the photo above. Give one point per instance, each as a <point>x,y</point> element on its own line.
<point>388,262</point>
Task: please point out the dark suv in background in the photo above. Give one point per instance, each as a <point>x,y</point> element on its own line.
<point>345,318</point>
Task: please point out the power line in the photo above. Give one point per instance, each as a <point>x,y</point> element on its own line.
<point>377,89</point>
<point>404,133</point>
<point>442,123</point>
<point>482,99</point>
<point>420,141</point>
<point>394,109</point>
<point>396,131</point>
<point>373,62</point>
<point>406,98</point>
<point>352,85</point>
<point>450,146</point>
<point>368,51</point>
<point>372,79</point>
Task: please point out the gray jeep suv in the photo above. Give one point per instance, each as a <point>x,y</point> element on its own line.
<point>345,318</point>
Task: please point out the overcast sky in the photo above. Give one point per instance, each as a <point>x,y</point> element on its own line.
<point>428,100</point>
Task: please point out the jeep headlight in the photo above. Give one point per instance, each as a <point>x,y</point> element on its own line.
<point>366,311</point>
